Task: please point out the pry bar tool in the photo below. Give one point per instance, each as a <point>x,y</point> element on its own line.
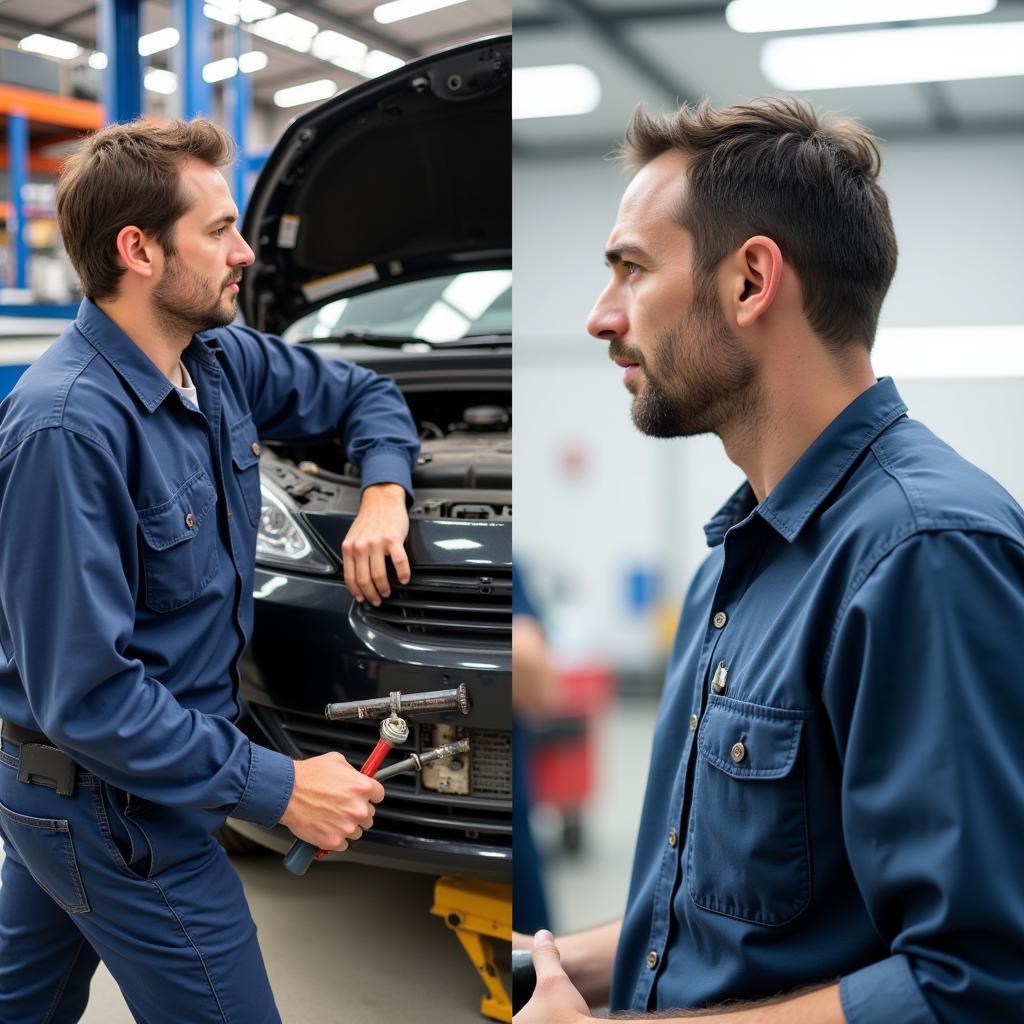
<point>393,731</point>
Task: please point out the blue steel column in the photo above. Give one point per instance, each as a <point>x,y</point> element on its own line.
<point>240,95</point>
<point>17,149</point>
<point>119,40</point>
<point>191,55</point>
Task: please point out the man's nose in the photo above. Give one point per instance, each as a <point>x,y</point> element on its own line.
<point>243,256</point>
<point>607,319</point>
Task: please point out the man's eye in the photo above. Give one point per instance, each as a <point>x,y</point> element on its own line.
<point>631,268</point>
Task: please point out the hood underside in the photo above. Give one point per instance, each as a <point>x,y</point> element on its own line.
<point>406,176</point>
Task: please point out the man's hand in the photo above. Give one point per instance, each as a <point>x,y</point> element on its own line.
<point>554,1001</point>
<point>379,531</point>
<point>331,803</point>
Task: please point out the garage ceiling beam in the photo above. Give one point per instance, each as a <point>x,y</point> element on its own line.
<point>605,28</point>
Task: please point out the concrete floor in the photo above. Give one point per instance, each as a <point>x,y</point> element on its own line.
<point>329,957</point>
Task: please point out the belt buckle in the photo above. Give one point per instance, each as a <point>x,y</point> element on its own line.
<point>41,765</point>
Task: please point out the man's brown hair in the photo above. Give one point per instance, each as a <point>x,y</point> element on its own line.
<point>773,167</point>
<point>129,174</point>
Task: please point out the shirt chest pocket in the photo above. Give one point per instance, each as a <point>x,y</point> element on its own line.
<point>245,455</point>
<point>180,550</point>
<point>748,852</point>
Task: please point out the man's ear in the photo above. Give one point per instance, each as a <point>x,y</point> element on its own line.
<point>137,251</point>
<point>756,272</point>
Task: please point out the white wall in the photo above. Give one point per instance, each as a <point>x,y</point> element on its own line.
<point>958,209</point>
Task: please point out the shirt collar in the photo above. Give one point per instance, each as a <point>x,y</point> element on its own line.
<point>800,493</point>
<point>137,370</point>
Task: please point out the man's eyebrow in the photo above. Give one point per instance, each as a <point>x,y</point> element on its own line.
<point>623,252</point>
<point>224,218</point>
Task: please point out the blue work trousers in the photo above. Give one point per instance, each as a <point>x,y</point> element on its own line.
<point>143,887</point>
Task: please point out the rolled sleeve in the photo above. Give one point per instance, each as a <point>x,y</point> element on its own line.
<point>268,787</point>
<point>924,693</point>
<point>884,991</point>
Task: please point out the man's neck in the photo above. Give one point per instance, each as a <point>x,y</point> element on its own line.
<point>150,334</point>
<point>798,402</point>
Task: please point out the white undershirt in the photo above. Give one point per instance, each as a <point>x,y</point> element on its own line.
<point>187,390</point>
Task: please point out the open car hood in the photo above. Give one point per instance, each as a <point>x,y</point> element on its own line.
<point>403,177</point>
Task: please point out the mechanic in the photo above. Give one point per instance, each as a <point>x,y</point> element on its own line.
<point>831,827</point>
<point>130,500</point>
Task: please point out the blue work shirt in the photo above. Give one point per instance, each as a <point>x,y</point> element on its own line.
<point>128,541</point>
<point>836,787</point>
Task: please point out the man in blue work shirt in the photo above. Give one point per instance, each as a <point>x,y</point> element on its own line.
<point>130,500</point>
<point>832,821</point>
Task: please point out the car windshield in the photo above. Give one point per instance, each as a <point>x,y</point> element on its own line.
<point>440,310</point>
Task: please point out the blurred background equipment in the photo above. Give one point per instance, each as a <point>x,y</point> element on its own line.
<point>610,521</point>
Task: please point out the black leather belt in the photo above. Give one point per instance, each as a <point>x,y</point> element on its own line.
<point>18,734</point>
<point>41,763</point>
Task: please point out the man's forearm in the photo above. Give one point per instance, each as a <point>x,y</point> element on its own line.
<point>588,958</point>
<point>817,1006</point>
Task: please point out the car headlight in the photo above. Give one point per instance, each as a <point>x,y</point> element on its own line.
<point>281,539</point>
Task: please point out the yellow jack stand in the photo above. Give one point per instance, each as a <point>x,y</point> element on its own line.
<point>478,912</point>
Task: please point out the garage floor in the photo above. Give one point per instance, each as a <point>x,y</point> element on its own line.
<point>331,959</point>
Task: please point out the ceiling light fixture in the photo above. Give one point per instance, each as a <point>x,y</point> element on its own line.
<point>98,60</point>
<point>940,53</point>
<point>788,15</point>
<point>218,70</point>
<point>308,92</point>
<point>156,42</point>
<point>398,10</point>
<point>49,46</point>
<point>253,60</point>
<point>288,30</point>
<point>554,90</point>
<point>158,80</point>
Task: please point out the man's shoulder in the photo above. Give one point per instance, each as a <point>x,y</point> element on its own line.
<point>938,488</point>
<point>70,387</point>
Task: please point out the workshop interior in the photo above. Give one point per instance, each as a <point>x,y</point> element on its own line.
<point>396,161</point>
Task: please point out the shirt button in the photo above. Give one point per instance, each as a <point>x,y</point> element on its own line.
<point>693,723</point>
<point>720,619</point>
<point>255,448</point>
<point>673,837</point>
<point>738,752</point>
<point>190,520</point>
<point>652,959</point>
<point>230,514</point>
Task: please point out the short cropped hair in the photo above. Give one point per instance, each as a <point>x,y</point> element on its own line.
<point>129,174</point>
<point>774,167</point>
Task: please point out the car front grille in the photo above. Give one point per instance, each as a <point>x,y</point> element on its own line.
<point>463,606</point>
<point>484,816</point>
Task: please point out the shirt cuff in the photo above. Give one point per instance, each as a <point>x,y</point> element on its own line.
<point>884,991</point>
<point>268,788</point>
<point>386,466</point>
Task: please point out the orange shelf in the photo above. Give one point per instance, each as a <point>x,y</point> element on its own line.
<point>43,108</point>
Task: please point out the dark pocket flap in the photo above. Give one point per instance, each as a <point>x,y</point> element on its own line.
<point>245,445</point>
<point>178,518</point>
<point>750,741</point>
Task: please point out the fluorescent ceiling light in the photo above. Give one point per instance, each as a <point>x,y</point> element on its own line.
<point>231,11</point>
<point>554,90</point>
<point>380,63</point>
<point>940,53</point>
<point>288,30</point>
<point>62,49</point>
<point>155,42</point>
<point>253,60</point>
<point>398,10</point>
<point>344,51</point>
<point>949,352</point>
<point>98,60</point>
<point>786,15</point>
<point>308,92</point>
<point>218,70</point>
<point>158,80</point>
